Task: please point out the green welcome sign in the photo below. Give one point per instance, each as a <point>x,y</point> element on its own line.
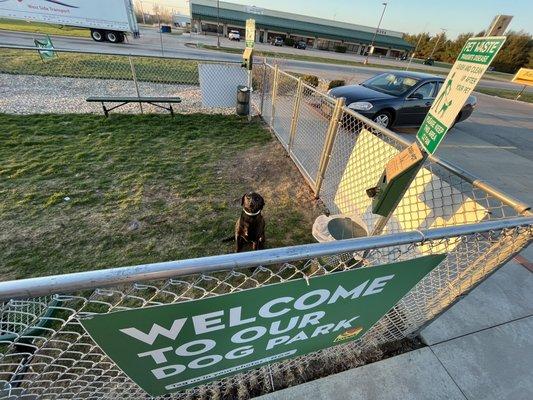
<point>172,347</point>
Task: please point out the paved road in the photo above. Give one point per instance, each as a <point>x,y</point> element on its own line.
<point>174,46</point>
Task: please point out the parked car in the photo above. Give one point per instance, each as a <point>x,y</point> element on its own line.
<point>278,41</point>
<point>300,45</point>
<point>397,98</point>
<point>429,61</point>
<point>234,35</point>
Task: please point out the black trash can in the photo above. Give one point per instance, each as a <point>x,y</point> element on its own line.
<point>243,100</point>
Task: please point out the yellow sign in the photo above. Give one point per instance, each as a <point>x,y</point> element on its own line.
<point>250,32</point>
<point>524,76</point>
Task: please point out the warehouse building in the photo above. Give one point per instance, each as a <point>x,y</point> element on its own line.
<point>318,33</point>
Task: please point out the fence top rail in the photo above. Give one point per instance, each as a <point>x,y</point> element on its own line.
<point>110,53</point>
<point>48,285</point>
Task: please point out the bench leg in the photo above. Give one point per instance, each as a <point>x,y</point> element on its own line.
<point>171,110</point>
<point>105,110</point>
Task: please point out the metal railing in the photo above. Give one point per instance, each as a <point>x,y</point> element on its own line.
<point>45,353</point>
<point>48,354</point>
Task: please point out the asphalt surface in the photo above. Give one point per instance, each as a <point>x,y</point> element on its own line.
<point>495,143</point>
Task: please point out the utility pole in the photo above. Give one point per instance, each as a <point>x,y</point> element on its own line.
<point>376,32</point>
<point>218,24</point>
<point>437,42</point>
<point>414,52</point>
<point>142,12</point>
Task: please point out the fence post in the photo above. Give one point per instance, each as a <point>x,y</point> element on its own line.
<point>263,87</point>
<point>274,94</point>
<point>295,113</point>
<point>328,144</point>
<point>134,75</point>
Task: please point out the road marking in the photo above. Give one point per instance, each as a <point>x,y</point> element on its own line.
<point>524,262</point>
<point>480,146</point>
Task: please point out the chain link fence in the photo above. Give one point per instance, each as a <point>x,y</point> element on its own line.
<point>45,353</point>
<point>61,84</point>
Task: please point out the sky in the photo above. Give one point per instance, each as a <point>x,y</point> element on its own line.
<point>410,16</point>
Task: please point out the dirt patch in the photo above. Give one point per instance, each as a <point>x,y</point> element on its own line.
<point>268,170</point>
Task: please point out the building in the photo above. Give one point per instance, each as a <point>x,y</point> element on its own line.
<point>319,33</point>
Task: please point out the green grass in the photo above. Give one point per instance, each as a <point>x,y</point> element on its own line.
<point>36,27</point>
<point>100,66</point>
<point>82,192</point>
<point>526,97</point>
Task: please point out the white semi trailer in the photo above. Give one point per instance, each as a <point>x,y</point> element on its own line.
<point>108,20</point>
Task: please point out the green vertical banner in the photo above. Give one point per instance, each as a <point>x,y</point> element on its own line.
<point>473,61</point>
<point>45,48</point>
<point>172,347</point>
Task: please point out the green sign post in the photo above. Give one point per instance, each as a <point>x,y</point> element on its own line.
<point>473,61</point>
<point>172,347</point>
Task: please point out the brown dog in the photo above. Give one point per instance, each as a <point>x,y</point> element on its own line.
<point>250,227</point>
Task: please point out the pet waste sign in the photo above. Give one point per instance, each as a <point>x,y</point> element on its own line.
<point>168,348</point>
<point>473,61</point>
<point>250,33</point>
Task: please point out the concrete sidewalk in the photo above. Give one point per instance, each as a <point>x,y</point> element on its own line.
<point>480,349</point>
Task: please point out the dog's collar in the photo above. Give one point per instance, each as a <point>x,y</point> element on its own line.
<point>251,214</point>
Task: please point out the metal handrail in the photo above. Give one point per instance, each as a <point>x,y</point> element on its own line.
<point>48,285</point>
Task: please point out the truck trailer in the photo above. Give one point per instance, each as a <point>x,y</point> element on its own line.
<point>108,20</point>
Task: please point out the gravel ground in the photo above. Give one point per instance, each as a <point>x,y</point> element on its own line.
<point>31,94</point>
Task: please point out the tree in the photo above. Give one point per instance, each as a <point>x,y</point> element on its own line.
<point>515,53</point>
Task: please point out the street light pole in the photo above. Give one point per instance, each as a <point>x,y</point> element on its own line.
<point>142,12</point>
<point>376,32</point>
<point>218,24</point>
<point>437,42</point>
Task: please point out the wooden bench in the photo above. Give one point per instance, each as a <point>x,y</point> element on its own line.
<point>155,101</point>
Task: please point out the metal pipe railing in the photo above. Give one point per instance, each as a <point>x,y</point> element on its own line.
<point>48,285</point>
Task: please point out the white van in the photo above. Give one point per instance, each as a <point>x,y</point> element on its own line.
<point>234,35</point>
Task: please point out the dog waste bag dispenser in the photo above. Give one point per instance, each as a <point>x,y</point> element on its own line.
<point>243,92</point>
<point>393,183</point>
<point>247,58</point>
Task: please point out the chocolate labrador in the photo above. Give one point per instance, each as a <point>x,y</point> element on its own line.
<point>250,227</point>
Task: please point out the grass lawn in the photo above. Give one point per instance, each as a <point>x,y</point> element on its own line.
<point>77,65</point>
<point>81,192</point>
<point>507,94</point>
<point>36,27</point>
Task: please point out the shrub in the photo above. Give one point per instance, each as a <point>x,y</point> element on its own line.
<point>311,80</point>
<point>340,49</point>
<point>336,83</point>
<point>288,41</point>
